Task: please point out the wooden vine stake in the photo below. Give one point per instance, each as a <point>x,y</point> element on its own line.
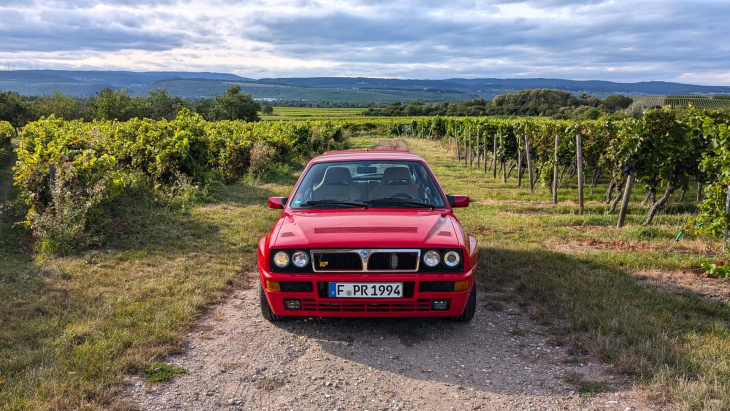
<point>529,164</point>
<point>519,165</point>
<point>555,170</point>
<point>579,164</point>
<point>479,153</point>
<point>495,156</point>
<point>466,150</point>
<point>625,202</point>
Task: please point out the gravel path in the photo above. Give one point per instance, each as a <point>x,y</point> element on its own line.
<point>501,360</point>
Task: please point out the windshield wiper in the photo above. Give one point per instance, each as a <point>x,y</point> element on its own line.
<point>333,203</point>
<point>397,201</point>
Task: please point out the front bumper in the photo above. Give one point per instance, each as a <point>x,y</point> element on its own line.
<point>417,301</point>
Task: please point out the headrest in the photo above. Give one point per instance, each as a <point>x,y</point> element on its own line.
<point>396,173</point>
<point>337,175</point>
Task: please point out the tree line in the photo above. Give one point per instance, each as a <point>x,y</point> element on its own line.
<point>110,104</point>
<point>557,104</point>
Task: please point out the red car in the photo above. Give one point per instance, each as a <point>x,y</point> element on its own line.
<point>368,233</point>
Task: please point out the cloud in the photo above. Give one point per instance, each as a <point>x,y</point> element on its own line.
<point>597,39</point>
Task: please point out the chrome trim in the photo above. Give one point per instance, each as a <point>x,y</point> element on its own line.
<point>365,254</point>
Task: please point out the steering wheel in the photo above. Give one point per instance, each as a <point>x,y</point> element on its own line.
<point>402,195</point>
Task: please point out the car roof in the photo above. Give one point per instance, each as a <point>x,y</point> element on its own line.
<point>367,154</point>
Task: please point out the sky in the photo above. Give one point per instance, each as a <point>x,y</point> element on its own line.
<point>618,40</point>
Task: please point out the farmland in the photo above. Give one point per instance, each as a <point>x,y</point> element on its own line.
<point>717,102</point>
<point>177,217</point>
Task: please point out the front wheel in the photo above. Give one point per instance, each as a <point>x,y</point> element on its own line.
<point>266,308</point>
<point>471,306</point>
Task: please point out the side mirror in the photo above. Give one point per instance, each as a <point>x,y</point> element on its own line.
<point>458,201</point>
<point>277,202</point>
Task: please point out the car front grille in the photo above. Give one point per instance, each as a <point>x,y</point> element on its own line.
<point>337,261</point>
<point>338,306</point>
<point>366,260</point>
<point>402,261</point>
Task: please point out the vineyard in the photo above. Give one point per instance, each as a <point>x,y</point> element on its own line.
<point>69,171</point>
<point>719,102</point>
<point>156,220</point>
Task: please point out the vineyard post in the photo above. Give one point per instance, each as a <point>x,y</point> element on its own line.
<point>727,210</point>
<point>555,170</point>
<point>519,164</point>
<point>471,152</point>
<point>479,153</point>
<point>579,164</point>
<point>466,152</point>
<point>458,147</point>
<point>529,164</point>
<point>625,201</point>
<point>495,156</point>
<point>699,191</point>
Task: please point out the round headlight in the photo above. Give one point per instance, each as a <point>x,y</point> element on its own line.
<point>300,259</point>
<point>452,259</point>
<point>431,258</point>
<point>281,259</point>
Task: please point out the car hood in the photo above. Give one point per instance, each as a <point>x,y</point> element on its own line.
<point>367,228</point>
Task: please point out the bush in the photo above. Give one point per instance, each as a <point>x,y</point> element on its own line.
<point>7,132</point>
<point>68,173</point>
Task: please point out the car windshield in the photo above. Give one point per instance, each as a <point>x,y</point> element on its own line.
<point>368,183</point>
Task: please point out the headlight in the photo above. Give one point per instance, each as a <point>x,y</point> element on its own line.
<point>452,259</point>
<point>281,259</point>
<point>300,259</point>
<point>431,258</point>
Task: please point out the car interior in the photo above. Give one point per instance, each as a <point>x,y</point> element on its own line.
<point>357,182</point>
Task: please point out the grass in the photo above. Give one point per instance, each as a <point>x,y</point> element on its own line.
<point>72,328</point>
<point>160,372</point>
<point>581,269</point>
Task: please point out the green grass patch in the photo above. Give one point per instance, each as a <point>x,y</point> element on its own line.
<point>160,372</point>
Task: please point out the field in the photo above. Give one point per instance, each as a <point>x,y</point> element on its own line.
<point>74,327</point>
<point>314,112</point>
<point>701,102</point>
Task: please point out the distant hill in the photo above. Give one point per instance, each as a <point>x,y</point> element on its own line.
<point>333,89</point>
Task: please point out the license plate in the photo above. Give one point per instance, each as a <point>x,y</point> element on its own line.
<point>366,290</point>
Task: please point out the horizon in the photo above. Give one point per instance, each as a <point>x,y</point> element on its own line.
<point>101,70</point>
<point>599,40</point>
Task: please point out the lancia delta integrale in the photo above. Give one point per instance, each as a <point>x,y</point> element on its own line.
<point>368,233</point>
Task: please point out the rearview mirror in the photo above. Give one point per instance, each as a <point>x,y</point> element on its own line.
<point>277,202</point>
<point>367,170</point>
<point>458,201</point>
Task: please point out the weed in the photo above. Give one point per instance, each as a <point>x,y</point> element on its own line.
<point>160,372</point>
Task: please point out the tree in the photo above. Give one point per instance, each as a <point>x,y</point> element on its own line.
<point>109,104</point>
<point>15,109</point>
<point>235,105</point>
<point>267,110</point>
<point>58,104</point>
<point>160,104</point>
<point>616,102</point>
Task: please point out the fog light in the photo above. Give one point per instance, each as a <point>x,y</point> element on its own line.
<point>440,305</point>
<point>273,285</point>
<point>292,304</point>
<point>462,285</point>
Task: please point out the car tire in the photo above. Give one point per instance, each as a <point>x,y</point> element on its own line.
<point>471,307</point>
<point>266,308</point>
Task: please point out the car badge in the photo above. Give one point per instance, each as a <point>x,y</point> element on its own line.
<point>365,253</point>
<point>323,263</point>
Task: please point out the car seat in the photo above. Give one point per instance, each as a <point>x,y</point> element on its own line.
<point>396,180</point>
<point>337,185</point>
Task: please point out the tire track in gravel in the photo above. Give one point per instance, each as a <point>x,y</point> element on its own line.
<point>501,360</point>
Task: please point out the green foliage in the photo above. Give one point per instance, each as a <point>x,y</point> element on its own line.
<point>234,105</point>
<point>160,372</point>
<point>720,269</point>
<point>7,132</point>
<point>69,172</point>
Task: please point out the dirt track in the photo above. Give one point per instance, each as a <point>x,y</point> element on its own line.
<point>501,360</point>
